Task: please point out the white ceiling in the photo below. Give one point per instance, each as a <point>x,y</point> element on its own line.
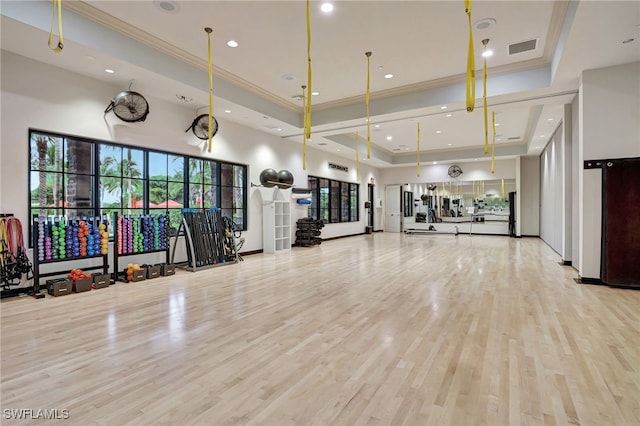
<point>423,43</point>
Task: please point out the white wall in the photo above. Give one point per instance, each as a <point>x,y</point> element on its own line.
<point>35,95</point>
<point>575,189</point>
<point>551,192</point>
<point>529,196</point>
<point>567,185</point>
<point>609,115</point>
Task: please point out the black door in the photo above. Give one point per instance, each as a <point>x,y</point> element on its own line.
<point>621,222</point>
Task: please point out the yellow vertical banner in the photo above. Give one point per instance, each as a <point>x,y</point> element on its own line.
<point>471,63</point>
<point>484,100</point>
<point>418,151</point>
<point>307,122</point>
<point>502,188</point>
<point>57,10</point>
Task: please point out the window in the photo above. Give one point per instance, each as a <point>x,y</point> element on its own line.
<point>79,177</point>
<point>333,201</point>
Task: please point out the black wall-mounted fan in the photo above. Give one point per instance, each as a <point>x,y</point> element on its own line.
<point>454,171</point>
<point>129,106</point>
<point>200,127</point>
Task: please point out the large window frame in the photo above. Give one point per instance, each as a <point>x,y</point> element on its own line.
<point>128,180</point>
<point>334,201</point>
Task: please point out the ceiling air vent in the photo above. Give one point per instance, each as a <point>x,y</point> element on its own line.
<point>514,138</point>
<point>523,46</point>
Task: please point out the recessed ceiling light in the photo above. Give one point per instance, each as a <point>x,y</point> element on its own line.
<point>542,136</point>
<point>109,71</point>
<point>91,58</point>
<point>289,77</point>
<point>232,43</point>
<point>377,126</point>
<point>168,6</point>
<point>438,131</point>
<point>549,119</point>
<point>629,40</point>
<point>487,53</point>
<point>338,149</point>
<point>327,7</point>
<point>449,115</point>
<point>278,129</point>
<point>435,162</point>
<point>443,107</point>
<point>449,144</point>
<point>387,76</point>
<point>315,93</point>
<point>498,139</point>
<point>228,111</point>
<point>389,138</point>
<point>497,124</point>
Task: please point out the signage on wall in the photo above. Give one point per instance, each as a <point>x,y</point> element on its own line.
<point>338,167</point>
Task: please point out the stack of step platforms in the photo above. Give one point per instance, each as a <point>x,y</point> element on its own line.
<point>308,233</point>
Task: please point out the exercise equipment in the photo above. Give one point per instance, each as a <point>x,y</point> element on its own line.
<point>61,239</point>
<point>211,239</point>
<point>137,234</point>
<point>285,177</point>
<point>268,178</point>
<point>14,262</point>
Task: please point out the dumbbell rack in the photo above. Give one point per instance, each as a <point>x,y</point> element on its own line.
<point>37,262</point>
<point>130,250</point>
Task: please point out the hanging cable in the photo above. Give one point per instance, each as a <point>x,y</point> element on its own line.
<point>366,101</point>
<point>357,155</point>
<point>307,123</point>
<point>418,151</point>
<point>57,10</point>
<point>304,133</point>
<point>471,62</point>
<point>484,99</point>
<point>493,146</point>
<point>210,68</point>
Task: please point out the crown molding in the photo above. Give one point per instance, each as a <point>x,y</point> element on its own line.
<point>96,15</point>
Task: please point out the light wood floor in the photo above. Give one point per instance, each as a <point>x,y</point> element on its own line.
<point>374,329</point>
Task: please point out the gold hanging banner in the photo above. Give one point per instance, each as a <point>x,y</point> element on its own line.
<point>307,123</point>
<point>304,135</point>
<point>484,100</point>
<point>493,146</point>
<point>357,155</point>
<point>473,191</point>
<point>502,188</point>
<point>57,10</point>
<point>418,151</point>
<point>471,63</point>
<point>366,101</point>
<point>210,66</point>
